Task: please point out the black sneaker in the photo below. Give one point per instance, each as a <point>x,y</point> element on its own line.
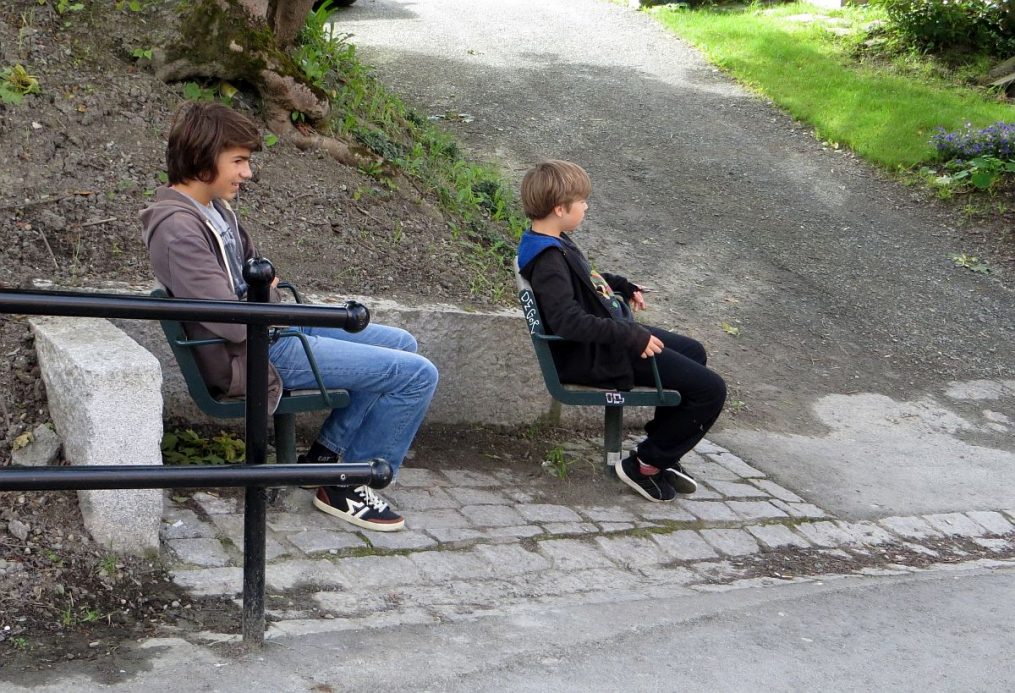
<point>679,479</point>
<point>360,506</point>
<point>656,488</point>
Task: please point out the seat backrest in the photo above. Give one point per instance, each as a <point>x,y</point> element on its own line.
<point>540,340</point>
<point>177,338</point>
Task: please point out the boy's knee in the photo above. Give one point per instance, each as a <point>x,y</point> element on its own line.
<point>409,342</point>
<point>428,373</point>
<point>697,352</point>
<point>719,390</point>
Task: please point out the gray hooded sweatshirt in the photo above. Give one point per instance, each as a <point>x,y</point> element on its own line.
<point>189,261</point>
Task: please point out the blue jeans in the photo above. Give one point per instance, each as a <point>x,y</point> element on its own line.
<point>390,387</point>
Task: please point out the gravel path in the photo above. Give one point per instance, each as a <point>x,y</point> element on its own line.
<point>838,279</point>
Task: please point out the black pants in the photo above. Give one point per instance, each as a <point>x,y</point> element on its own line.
<point>674,431</point>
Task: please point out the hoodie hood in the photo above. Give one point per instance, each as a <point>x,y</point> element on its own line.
<point>532,244</point>
<point>167,203</point>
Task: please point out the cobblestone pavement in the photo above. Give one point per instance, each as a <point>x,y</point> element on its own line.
<point>482,542</point>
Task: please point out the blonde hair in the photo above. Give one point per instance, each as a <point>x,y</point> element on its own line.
<point>552,183</point>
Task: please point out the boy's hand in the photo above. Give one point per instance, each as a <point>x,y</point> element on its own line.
<point>655,346</point>
<point>637,301</point>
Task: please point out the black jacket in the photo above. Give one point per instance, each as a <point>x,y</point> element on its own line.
<point>600,349</point>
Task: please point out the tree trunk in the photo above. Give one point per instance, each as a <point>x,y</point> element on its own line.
<point>245,42</point>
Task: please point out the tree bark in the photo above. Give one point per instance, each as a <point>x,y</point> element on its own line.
<point>245,42</point>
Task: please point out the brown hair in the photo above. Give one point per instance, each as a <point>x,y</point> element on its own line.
<point>552,183</point>
<point>199,133</point>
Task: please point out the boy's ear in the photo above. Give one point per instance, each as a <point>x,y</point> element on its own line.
<point>559,211</point>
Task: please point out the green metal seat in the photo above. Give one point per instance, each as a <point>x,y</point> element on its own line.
<point>613,401</point>
<point>292,402</point>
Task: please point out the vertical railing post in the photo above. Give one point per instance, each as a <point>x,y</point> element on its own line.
<point>258,273</point>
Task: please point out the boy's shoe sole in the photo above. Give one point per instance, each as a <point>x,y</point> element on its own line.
<point>351,517</point>
<point>622,475</point>
<point>680,480</point>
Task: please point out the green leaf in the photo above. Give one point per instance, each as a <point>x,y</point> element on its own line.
<point>270,140</point>
<point>983,179</point>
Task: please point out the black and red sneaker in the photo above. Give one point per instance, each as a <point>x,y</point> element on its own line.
<point>655,487</point>
<point>359,506</point>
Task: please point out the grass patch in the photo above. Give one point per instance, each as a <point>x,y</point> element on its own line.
<point>809,68</point>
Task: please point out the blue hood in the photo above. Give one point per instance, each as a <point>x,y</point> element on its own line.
<point>532,244</point>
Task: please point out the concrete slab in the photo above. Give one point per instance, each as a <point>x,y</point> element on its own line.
<point>882,456</point>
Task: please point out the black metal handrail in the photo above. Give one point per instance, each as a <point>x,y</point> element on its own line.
<point>255,475</point>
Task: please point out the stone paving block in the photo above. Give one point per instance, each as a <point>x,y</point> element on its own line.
<point>631,552</point>
<point>994,544</point>
<point>519,495</point>
<point>706,446</point>
<point>512,559</point>
<point>544,512</point>
<point>585,582</point>
<point>351,602</point>
<point>684,545</point>
<point>670,512</point>
<point>755,510</point>
<point>802,510</point>
<point>320,540</point>
<point>437,519</point>
<point>285,575</point>
<point>954,525</point>
<point>613,513</point>
<point>306,518</point>
<point>732,489</point>
<point>616,526</point>
<point>519,532</point>
<point>731,542</point>
<point>824,533</point>
<point>777,491</point>
<point>920,549</point>
<point>993,522</point>
<point>456,535</point>
<point>867,533</point>
<point>735,464</point>
<point>416,498</point>
<point>206,582</point>
<point>666,580</point>
<point>412,477</point>
<point>703,492</point>
<point>231,526</point>
<point>710,471</point>
<point>444,566</point>
<point>570,528</point>
<point>777,536</point>
<point>203,552</point>
<point>508,478</point>
<point>467,495</point>
<point>369,572</point>
<point>710,511</point>
<point>493,516</point>
<point>216,505</point>
<point>182,523</point>
<point>465,477</point>
<point>406,539</point>
<point>721,570</point>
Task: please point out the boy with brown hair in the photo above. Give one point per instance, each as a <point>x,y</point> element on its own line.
<point>198,247</point>
<point>603,345</point>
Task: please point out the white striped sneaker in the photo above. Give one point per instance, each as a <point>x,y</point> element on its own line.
<point>360,506</point>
